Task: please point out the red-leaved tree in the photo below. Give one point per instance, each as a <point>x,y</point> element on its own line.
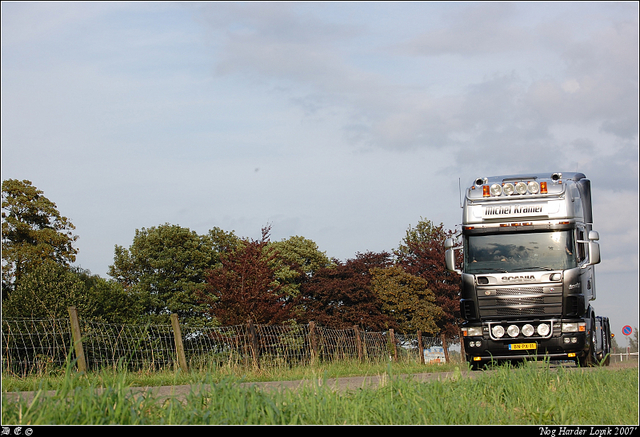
<point>341,296</point>
<point>244,286</point>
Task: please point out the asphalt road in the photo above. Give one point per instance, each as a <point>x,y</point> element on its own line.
<point>349,383</point>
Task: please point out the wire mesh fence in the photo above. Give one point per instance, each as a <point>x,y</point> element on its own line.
<point>39,346</point>
<point>34,346</point>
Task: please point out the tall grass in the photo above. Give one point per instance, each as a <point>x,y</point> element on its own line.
<point>144,378</point>
<point>531,394</point>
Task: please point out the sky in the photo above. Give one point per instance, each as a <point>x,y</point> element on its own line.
<point>346,123</point>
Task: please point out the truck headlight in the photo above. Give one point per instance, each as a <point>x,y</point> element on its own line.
<point>574,327</point>
<point>521,188</point>
<point>533,187</point>
<point>543,329</point>
<point>527,330</point>
<point>513,331</point>
<point>496,190</point>
<point>497,331</point>
<point>474,331</point>
<point>508,189</point>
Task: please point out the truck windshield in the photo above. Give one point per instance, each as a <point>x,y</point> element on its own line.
<point>551,250</point>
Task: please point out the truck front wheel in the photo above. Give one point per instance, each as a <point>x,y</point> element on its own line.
<point>589,358</point>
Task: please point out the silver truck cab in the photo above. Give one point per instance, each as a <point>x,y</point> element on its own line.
<point>528,276</point>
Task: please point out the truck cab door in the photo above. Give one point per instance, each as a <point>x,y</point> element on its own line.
<point>588,255</point>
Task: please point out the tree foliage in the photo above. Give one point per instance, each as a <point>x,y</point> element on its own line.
<point>49,289</point>
<point>219,278</point>
<point>407,299</point>
<point>166,266</point>
<point>421,253</point>
<point>341,296</point>
<point>46,291</point>
<point>33,232</point>
<point>244,286</point>
<point>110,302</point>
<point>297,260</point>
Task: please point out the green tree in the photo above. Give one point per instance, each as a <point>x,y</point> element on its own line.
<point>297,259</point>
<point>421,253</point>
<point>33,232</point>
<point>49,289</point>
<point>407,299</point>
<point>110,301</point>
<point>166,266</point>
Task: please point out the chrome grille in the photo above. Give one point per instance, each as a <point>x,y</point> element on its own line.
<point>523,301</point>
<point>516,291</point>
<point>519,301</point>
<point>512,311</point>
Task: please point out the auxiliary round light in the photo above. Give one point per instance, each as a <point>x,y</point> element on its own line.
<point>513,331</point>
<point>521,188</point>
<point>496,190</point>
<point>527,330</point>
<point>533,187</point>
<point>543,329</point>
<point>497,331</point>
<point>508,189</point>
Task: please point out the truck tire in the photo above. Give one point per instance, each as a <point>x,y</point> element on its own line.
<point>589,358</point>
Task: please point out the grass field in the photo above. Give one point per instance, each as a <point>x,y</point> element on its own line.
<point>533,394</point>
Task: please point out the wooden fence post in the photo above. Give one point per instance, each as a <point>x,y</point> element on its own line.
<point>77,339</point>
<point>462,351</point>
<point>177,335</point>
<point>420,347</point>
<point>313,342</point>
<point>445,348</point>
<point>392,339</point>
<point>356,329</point>
<point>253,343</point>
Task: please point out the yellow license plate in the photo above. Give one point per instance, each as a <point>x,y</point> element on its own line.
<point>522,346</point>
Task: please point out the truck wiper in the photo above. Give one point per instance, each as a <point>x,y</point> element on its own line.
<point>531,268</point>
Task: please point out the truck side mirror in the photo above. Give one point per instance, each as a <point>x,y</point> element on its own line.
<point>594,248</point>
<point>450,255</point>
<point>594,252</point>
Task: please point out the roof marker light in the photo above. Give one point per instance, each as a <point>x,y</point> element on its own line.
<point>486,191</point>
<point>543,188</point>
